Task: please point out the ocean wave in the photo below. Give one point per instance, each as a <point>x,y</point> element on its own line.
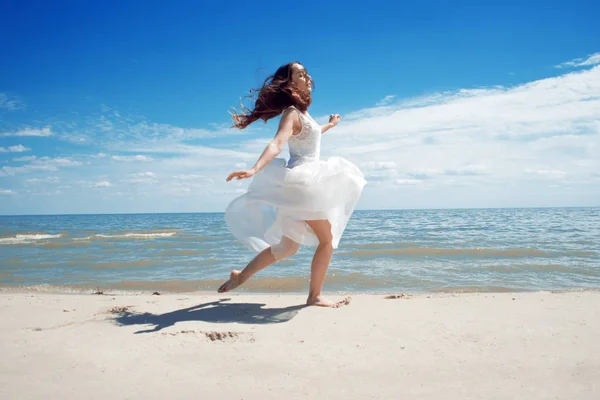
<point>180,253</point>
<point>478,289</point>
<point>43,238</point>
<point>129,235</point>
<point>24,238</point>
<point>126,264</point>
<point>472,252</point>
<point>379,245</point>
<point>536,268</point>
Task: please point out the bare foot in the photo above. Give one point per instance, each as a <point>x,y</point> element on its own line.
<point>232,283</point>
<point>320,302</point>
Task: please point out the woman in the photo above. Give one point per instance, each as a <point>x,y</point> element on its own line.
<point>306,201</point>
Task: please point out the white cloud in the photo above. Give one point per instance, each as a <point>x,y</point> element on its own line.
<point>408,181</point>
<point>10,103</point>
<point>24,158</point>
<point>498,132</point>
<point>592,59</point>
<point>379,171</point>
<point>546,173</point>
<point>6,192</point>
<point>10,171</point>
<point>175,148</point>
<point>114,130</point>
<point>92,184</point>
<point>18,148</point>
<point>468,170</point>
<point>49,179</point>
<point>143,174</point>
<point>155,130</point>
<point>140,177</point>
<point>378,165</point>
<point>138,180</point>
<point>59,162</point>
<point>583,163</point>
<point>30,132</point>
<point>102,184</point>
<point>425,173</point>
<point>386,100</point>
<point>40,164</point>
<point>14,149</point>
<point>186,177</point>
<point>138,157</point>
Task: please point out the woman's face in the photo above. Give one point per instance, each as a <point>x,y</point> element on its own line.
<point>300,78</point>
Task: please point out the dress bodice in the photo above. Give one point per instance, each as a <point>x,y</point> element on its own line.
<point>305,147</point>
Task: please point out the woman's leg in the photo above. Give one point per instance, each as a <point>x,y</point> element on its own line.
<point>320,264</point>
<point>286,248</point>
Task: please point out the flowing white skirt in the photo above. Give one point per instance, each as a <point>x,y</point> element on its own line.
<point>279,201</point>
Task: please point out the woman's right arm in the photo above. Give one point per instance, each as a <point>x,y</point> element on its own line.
<point>288,126</point>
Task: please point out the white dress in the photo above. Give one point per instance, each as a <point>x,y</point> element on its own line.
<point>282,197</point>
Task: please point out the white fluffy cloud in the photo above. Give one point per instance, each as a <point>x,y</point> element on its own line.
<point>546,173</point>
<point>468,170</point>
<point>92,184</point>
<point>140,177</point>
<point>102,184</point>
<point>386,100</point>
<point>47,131</point>
<point>49,179</point>
<point>14,149</point>
<point>592,59</point>
<point>138,157</point>
<point>25,158</point>
<point>10,103</point>
<point>408,181</point>
<point>495,135</point>
<point>40,164</point>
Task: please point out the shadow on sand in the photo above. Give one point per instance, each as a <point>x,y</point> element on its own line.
<point>216,312</point>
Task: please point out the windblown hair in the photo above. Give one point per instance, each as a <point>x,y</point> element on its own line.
<point>276,94</point>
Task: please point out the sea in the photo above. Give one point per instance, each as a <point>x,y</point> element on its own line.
<point>388,251</point>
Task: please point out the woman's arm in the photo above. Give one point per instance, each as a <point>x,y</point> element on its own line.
<point>289,124</point>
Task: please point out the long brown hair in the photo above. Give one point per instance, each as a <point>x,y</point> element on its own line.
<point>276,94</point>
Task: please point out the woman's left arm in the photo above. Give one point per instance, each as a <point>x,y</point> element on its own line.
<point>333,121</point>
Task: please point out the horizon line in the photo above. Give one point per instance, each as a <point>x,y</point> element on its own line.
<point>357,210</point>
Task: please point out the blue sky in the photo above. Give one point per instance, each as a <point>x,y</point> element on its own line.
<point>122,106</point>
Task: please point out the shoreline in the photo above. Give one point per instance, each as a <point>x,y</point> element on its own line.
<point>115,291</point>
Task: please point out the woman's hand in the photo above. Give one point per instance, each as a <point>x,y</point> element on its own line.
<point>248,173</point>
<point>334,119</point>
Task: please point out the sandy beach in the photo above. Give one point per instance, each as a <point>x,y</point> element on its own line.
<point>238,346</point>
